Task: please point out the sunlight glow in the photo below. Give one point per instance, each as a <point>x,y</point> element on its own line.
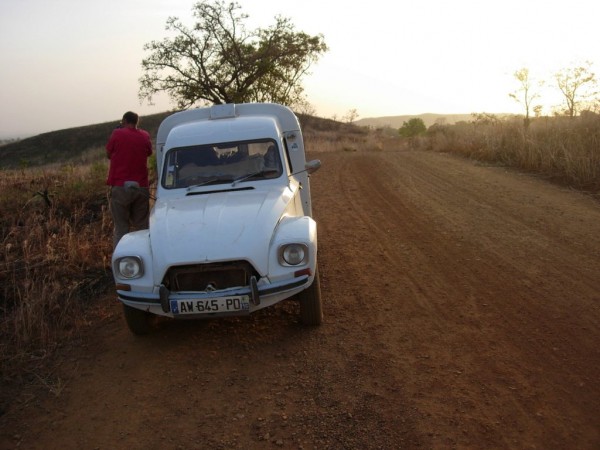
<point>78,63</point>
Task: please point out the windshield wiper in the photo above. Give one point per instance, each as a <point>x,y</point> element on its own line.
<point>210,180</point>
<point>223,178</point>
<point>250,175</point>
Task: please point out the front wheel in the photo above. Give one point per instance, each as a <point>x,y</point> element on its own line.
<point>138,321</point>
<point>311,308</point>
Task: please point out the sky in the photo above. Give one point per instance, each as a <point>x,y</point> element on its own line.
<point>69,63</point>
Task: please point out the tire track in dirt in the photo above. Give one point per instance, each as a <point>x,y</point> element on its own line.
<point>393,239</point>
<point>493,318</point>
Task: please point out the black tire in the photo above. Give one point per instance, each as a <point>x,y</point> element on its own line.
<point>138,321</point>
<point>311,308</point>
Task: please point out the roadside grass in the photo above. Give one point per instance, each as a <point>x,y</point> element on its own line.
<point>560,149</point>
<point>350,138</point>
<point>55,248</point>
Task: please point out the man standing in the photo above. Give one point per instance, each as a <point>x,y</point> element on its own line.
<point>128,150</point>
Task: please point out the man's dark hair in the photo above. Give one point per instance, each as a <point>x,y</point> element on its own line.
<point>131,118</point>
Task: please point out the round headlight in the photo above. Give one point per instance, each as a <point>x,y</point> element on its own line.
<point>130,267</point>
<point>294,254</point>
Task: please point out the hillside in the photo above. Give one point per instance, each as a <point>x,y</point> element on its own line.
<point>72,144</point>
<point>65,145</point>
<point>397,121</point>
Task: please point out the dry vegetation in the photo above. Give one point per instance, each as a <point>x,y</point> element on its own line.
<point>55,227</point>
<point>565,150</point>
<point>54,257</point>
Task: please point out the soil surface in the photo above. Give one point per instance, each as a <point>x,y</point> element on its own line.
<point>462,310</point>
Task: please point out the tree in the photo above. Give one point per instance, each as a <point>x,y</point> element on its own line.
<point>524,95</point>
<point>412,128</point>
<point>576,85</point>
<point>220,61</point>
<point>350,116</point>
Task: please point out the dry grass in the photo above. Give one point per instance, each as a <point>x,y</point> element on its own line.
<point>562,149</point>
<point>350,139</point>
<point>54,254</point>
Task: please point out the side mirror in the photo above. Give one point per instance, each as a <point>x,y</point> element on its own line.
<point>312,166</point>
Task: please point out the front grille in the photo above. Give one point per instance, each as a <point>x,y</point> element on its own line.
<point>209,277</point>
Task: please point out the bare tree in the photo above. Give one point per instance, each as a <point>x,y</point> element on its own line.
<point>525,94</point>
<point>577,85</point>
<point>350,116</point>
<point>305,107</point>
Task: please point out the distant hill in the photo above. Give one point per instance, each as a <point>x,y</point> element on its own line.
<point>69,145</point>
<point>428,118</point>
<point>66,145</point>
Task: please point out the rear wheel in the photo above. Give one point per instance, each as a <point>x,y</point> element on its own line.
<point>311,309</point>
<point>138,321</point>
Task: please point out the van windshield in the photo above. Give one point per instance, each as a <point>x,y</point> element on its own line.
<point>200,165</point>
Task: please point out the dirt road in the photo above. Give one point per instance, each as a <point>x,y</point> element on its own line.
<point>462,310</point>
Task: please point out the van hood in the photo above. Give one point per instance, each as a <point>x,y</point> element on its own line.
<point>220,226</point>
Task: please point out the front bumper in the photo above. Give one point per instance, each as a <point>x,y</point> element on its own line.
<point>261,296</point>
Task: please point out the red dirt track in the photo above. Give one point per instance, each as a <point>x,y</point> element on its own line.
<point>462,310</point>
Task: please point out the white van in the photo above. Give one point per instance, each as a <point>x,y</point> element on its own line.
<point>231,230</point>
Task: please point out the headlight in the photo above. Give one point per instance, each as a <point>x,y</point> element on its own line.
<point>129,267</point>
<point>293,254</point>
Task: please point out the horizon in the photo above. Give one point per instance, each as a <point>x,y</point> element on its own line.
<point>26,136</point>
<point>437,56</point>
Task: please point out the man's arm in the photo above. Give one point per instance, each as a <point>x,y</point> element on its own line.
<point>148,143</point>
<point>110,145</point>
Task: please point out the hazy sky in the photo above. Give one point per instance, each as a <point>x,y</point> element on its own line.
<point>67,63</point>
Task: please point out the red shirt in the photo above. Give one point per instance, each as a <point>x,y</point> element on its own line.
<point>128,149</point>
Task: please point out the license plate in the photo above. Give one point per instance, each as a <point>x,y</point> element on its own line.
<point>211,305</point>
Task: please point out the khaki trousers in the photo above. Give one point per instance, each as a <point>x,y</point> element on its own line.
<point>130,209</point>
